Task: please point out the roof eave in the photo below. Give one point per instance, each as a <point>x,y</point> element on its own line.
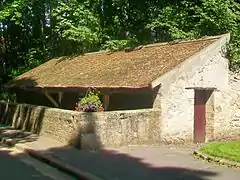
<point>108,89</point>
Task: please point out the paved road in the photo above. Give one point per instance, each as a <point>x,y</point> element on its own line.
<point>16,165</point>
<point>135,163</point>
<point>168,163</point>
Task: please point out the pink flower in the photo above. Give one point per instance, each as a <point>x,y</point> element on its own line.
<point>75,107</point>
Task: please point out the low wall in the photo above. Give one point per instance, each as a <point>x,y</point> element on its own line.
<point>110,129</point>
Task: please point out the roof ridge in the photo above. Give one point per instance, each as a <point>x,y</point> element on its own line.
<point>204,38</point>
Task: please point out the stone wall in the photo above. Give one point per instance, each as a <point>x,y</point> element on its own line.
<point>111,129</point>
<point>208,68</point>
<point>227,110</point>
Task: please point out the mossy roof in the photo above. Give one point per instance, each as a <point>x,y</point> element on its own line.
<point>134,69</point>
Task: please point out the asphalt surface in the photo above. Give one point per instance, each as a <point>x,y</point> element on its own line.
<point>16,165</point>
<point>166,163</point>
<point>135,163</point>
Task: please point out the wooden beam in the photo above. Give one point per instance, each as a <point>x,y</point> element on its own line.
<point>50,98</point>
<point>6,111</point>
<point>103,90</point>
<point>105,101</point>
<point>156,82</point>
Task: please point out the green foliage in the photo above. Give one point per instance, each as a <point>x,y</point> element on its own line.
<point>35,57</point>
<point>234,52</point>
<point>6,96</point>
<point>174,22</point>
<point>221,16</point>
<point>114,45</point>
<point>218,15</point>
<point>13,11</point>
<point>90,103</point>
<point>32,31</point>
<point>192,19</point>
<point>76,25</point>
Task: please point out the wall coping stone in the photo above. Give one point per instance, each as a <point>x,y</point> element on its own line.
<point>77,112</point>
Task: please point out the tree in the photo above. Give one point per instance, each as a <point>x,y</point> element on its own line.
<point>33,31</point>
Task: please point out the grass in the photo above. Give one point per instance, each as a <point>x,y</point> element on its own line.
<point>226,150</point>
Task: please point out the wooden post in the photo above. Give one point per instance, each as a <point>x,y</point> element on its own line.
<point>5,113</point>
<point>105,101</point>
<point>60,95</point>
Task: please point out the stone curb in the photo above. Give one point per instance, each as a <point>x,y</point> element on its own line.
<point>50,160</point>
<point>220,161</point>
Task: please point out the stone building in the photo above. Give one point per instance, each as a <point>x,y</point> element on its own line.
<point>187,81</point>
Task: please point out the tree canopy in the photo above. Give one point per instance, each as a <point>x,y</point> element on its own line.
<point>33,31</point>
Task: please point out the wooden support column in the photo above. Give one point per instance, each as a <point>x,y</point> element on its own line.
<point>60,95</point>
<point>50,98</point>
<point>105,101</point>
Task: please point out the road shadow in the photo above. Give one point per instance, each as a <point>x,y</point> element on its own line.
<point>23,169</point>
<point>112,165</point>
<point>12,136</point>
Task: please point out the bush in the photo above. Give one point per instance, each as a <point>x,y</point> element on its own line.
<point>7,96</point>
<point>114,45</point>
<point>90,103</point>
